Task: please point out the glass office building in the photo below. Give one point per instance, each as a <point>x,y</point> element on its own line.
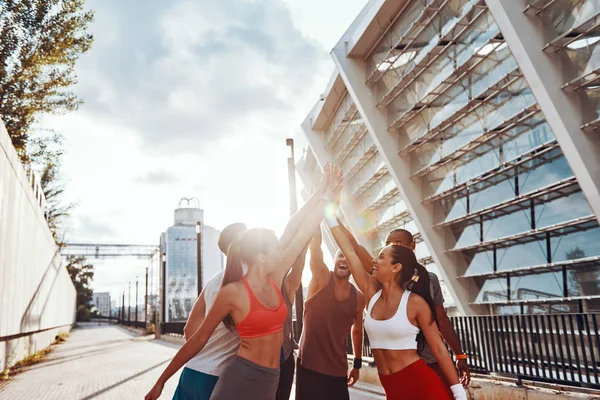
<point>473,124</point>
<point>180,247</point>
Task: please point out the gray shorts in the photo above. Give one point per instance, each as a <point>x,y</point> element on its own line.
<point>243,379</point>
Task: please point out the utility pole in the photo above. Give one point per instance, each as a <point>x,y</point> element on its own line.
<point>199,255</point>
<point>293,208</point>
<point>129,305</point>
<point>123,309</point>
<point>146,301</point>
<point>136,299</point>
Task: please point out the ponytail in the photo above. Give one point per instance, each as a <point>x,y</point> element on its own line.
<point>233,273</point>
<point>414,277</point>
<point>420,284</point>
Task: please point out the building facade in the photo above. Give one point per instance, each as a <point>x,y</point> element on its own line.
<point>474,125</point>
<point>180,246</point>
<point>103,303</point>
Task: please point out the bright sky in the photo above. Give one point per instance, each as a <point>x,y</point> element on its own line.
<point>191,98</point>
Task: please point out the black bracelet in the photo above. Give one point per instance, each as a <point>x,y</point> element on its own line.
<point>357,363</point>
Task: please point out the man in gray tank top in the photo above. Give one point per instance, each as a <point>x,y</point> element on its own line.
<point>332,310</point>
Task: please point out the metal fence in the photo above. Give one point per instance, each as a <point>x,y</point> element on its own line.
<point>556,348</point>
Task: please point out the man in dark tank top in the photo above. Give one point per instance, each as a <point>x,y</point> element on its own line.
<point>333,309</point>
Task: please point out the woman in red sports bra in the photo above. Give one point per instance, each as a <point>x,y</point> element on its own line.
<point>252,304</point>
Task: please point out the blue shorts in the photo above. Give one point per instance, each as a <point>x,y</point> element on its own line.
<point>195,385</point>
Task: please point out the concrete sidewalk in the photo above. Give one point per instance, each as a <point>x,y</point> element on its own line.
<point>102,362</point>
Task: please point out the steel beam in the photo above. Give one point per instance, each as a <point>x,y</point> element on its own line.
<point>353,73</point>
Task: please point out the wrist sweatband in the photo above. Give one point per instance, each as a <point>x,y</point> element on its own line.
<point>461,356</point>
<point>458,391</point>
<point>357,364</point>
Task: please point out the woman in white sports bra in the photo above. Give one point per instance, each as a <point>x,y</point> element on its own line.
<point>400,317</point>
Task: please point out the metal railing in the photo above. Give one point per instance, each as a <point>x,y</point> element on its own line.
<point>554,348</point>
<point>557,348</point>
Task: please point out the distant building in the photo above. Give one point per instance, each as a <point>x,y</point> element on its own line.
<point>102,303</point>
<point>180,246</point>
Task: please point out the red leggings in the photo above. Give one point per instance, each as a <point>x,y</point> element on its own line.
<point>415,382</point>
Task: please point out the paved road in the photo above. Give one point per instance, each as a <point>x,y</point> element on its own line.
<point>101,362</point>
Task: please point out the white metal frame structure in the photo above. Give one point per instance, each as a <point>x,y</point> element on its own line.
<point>474,124</point>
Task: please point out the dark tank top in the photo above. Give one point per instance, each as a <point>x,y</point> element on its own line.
<point>327,324</point>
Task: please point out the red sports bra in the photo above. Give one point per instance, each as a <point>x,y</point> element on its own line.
<point>261,320</point>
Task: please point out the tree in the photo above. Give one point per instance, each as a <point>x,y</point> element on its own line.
<point>40,41</point>
<point>82,275</point>
<point>46,154</point>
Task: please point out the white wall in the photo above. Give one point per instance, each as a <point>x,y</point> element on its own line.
<point>36,292</point>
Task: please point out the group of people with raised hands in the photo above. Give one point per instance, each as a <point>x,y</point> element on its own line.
<point>239,341</point>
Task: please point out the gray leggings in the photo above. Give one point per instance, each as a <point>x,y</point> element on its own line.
<point>243,379</point>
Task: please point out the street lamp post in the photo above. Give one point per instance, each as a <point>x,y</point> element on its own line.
<point>199,255</point>
<point>136,300</point>
<point>129,305</point>
<point>293,208</point>
<point>146,301</point>
<point>123,308</point>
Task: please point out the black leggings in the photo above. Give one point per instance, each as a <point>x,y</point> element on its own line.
<point>286,378</point>
<point>311,385</point>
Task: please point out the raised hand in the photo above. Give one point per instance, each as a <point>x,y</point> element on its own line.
<point>335,182</point>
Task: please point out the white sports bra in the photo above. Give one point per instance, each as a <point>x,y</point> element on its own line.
<point>396,333</point>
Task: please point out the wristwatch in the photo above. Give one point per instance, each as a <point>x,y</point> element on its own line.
<point>357,363</point>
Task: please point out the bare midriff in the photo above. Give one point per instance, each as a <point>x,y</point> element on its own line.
<point>392,361</point>
<point>264,350</point>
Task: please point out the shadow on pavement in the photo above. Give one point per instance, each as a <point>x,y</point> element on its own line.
<point>114,385</point>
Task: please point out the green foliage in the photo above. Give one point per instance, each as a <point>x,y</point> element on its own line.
<point>83,314</point>
<point>40,41</point>
<point>82,275</point>
<point>45,154</point>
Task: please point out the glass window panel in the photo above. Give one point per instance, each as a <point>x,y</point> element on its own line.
<point>522,255</point>
<point>479,263</point>
<point>421,250</point>
<point>466,235</point>
<point>576,245</point>
<point>437,182</point>
<point>527,141</point>
<point>411,226</point>
<point>538,286</point>
<point>507,225</point>
<point>493,290</point>
<point>492,195</point>
<point>561,210</point>
<point>377,61</point>
<point>453,207</point>
<point>584,54</point>
<point>584,280</point>
<point>569,14</point>
<point>544,175</point>
<point>496,68</point>
<point>508,310</point>
<point>477,165</point>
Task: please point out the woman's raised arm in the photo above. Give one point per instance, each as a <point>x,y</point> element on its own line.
<point>366,283</point>
<point>222,306</point>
